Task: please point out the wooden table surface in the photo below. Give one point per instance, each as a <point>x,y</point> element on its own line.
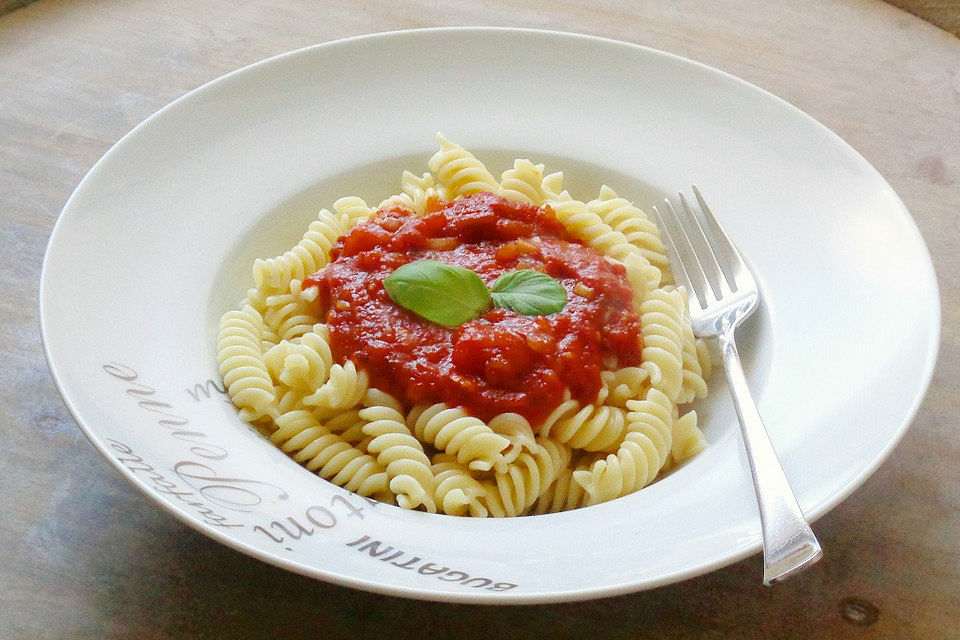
<point>76,540</point>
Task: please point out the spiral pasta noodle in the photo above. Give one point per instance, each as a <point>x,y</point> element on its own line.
<point>279,368</point>
<point>564,493</point>
<point>288,315</point>
<point>621,385</point>
<point>458,433</point>
<point>688,439</point>
<point>459,170</point>
<point>517,488</point>
<point>660,319</point>
<point>417,193</point>
<point>552,187</point>
<point>352,210</point>
<point>518,433</point>
<point>639,457</point>
<point>591,428</point>
<point>407,466</point>
<point>635,226</point>
<point>695,369</point>
<point>343,389</point>
<point>523,183</point>
<point>301,435</point>
<point>457,492</point>
<point>589,227</point>
<point>242,367</point>
<point>273,275</point>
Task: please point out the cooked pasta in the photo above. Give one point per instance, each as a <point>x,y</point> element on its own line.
<point>459,171</point>
<point>288,315</point>
<point>417,192</point>
<point>688,439</point>
<point>523,183</point>
<point>457,492</point>
<point>453,430</point>
<point>591,428</point>
<point>515,490</point>
<point>242,367</point>
<point>343,390</point>
<point>274,275</point>
<point>620,385</point>
<point>564,494</point>
<point>639,457</point>
<point>661,318</point>
<point>301,435</point>
<point>517,430</point>
<point>407,466</point>
<point>320,403</point>
<point>636,227</point>
<point>352,210</point>
<point>590,228</point>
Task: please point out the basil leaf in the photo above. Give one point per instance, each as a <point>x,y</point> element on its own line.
<point>441,293</point>
<point>529,293</point>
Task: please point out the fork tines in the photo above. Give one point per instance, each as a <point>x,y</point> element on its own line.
<point>705,262</point>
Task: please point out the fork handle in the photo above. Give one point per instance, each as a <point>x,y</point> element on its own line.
<point>789,544</point>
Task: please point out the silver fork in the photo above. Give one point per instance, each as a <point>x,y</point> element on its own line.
<point>723,292</point>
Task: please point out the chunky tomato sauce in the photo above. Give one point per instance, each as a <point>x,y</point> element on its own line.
<point>501,361</point>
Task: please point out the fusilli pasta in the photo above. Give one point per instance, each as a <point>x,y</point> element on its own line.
<point>458,433</point>
<point>459,171</point>
<point>275,356</point>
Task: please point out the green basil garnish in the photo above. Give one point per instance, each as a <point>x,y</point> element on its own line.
<point>445,294</point>
<point>449,295</point>
<point>529,293</point>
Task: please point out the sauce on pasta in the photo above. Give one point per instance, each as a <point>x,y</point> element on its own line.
<point>501,361</point>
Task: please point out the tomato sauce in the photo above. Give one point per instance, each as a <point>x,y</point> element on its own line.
<point>501,361</point>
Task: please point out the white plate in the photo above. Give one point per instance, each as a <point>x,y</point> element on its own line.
<point>158,239</point>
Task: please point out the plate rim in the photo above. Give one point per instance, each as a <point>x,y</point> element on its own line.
<point>733,555</point>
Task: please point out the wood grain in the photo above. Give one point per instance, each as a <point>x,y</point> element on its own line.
<point>943,13</point>
<point>84,555</point>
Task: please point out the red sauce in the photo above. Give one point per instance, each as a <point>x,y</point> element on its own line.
<point>501,361</point>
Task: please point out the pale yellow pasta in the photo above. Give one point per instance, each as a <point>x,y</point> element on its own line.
<point>642,276</point>
<point>523,183</point>
<point>694,384</point>
<point>273,275</point>
<point>563,493</point>
<point>515,490</point>
<point>636,227</point>
<point>244,372</point>
<point>453,430</point>
<point>459,171</point>
<point>457,492</point>
<point>417,193</point>
<point>661,316</point>
<point>289,399</point>
<point>352,210</point>
<point>621,385</point>
<point>589,227</point>
<point>348,425</point>
<point>302,365</point>
<point>288,315</point>
<point>688,439</point>
<point>301,435</point>
<point>343,389</point>
<point>590,427</point>
<point>276,360</point>
<point>552,187</point>
<point>517,431</point>
<point>407,466</point>
<point>639,457</point>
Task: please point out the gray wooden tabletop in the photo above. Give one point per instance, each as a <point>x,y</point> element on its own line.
<point>85,555</point>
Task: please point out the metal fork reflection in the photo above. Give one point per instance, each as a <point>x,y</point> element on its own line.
<point>723,293</point>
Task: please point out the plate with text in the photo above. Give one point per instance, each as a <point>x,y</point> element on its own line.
<point>157,241</point>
